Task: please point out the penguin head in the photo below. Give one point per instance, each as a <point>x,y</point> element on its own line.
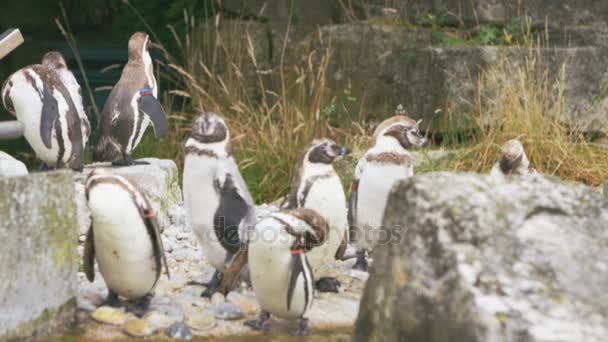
<point>210,128</point>
<point>513,157</point>
<point>402,129</point>
<point>138,45</point>
<point>324,151</point>
<point>54,60</point>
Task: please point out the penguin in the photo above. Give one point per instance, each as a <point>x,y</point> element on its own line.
<point>53,60</point>
<point>513,160</point>
<point>39,99</point>
<point>317,186</point>
<point>281,276</point>
<point>219,205</point>
<point>130,108</point>
<point>386,163</point>
<point>124,238</point>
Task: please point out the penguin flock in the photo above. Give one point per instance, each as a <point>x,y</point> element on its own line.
<point>284,256</point>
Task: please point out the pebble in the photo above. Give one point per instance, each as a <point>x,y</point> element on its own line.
<point>85,304</point>
<point>109,315</point>
<point>138,328</point>
<point>159,321</point>
<point>248,304</point>
<point>173,310</point>
<point>201,322</point>
<point>228,311</point>
<point>217,299</point>
<point>179,331</point>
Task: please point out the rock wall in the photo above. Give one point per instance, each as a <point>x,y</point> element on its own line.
<point>38,258</point>
<point>390,52</point>
<point>477,258</point>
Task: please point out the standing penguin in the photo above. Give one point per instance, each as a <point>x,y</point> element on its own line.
<point>281,276</point>
<point>316,186</point>
<point>124,238</point>
<point>53,60</point>
<point>131,106</point>
<point>387,162</point>
<point>39,99</point>
<point>513,160</point>
<point>217,200</point>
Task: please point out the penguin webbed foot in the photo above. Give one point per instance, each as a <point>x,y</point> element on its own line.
<point>111,300</point>
<point>260,324</point>
<point>302,329</point>
<point>328,284</point>
<point>140,306</point>
<point>212,285</point>
<point>361,263</point>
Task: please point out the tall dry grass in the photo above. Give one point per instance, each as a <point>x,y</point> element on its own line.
<point>272,111</point>
<point>524,101</point>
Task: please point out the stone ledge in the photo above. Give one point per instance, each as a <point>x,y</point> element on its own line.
<point>38,258</point>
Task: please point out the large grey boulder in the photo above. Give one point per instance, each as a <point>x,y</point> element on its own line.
<point>476,258</point>
<point>38,257</point>
<point>159,180</point>
<point>11,167</point>
<point>385,66</point>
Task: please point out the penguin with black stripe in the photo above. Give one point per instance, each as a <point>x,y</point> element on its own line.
<point>219,205</point>
<point>124,238</point>
<point>130,108</point>
<point>281,276</point>
<point>383,165</point>
<point>317,186</point>
<point>55,61</point>
<point>40,100</point>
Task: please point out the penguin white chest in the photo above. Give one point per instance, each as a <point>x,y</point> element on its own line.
<point>123,246</point>
<point>269,266</point>
<point>201,201</point>
<point>375,185</point>
<point>326,196</point>
<point>28,108</point>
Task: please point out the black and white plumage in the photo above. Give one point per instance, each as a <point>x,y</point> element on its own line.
<point>281,276</point>
<point>40,100</point>
<point>124,238</point>
<point>219,205</point>
<point>131,106</point>
<point>317,186</point>
<point>53,60</point>
<point>387,162</point>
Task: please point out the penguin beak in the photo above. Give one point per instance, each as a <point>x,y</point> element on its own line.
<point>341,150</point>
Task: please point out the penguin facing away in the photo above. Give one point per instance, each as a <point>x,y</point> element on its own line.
<point>39,99</point>
<point>386,163</point>
<point>219,205</point>
<point>513,160</point>
<point>53,60</point>
<point>124,239</point>
<point>317,186</point>
<point>130,107</point>
<point>281,276</point>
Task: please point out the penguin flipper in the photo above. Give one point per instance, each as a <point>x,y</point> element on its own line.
<point>150,106</point>
<point>50,114</point>
<point>296,269</point>
<point>233,208</point>
<point>153,226</point>
<point>88,257</point>
<point>352,208</point>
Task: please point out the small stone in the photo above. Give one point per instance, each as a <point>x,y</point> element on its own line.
<point>159,321</point>
<point>172,310</point>
<point>201,322</point>
<point>217,299</point>
<point>109,315</point>
<point>85,304</point>
<point>179,330</point>
<point>228,311</point>
<point>247,304</point>
<point>138,328</point>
